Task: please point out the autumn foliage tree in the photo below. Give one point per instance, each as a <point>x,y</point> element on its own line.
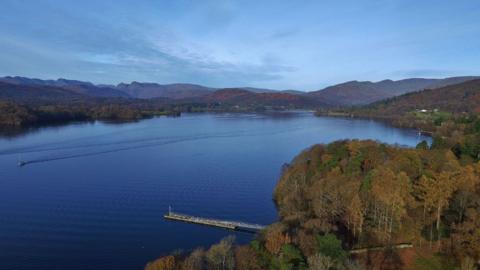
<point>275,238</point>
<point>164,263</point>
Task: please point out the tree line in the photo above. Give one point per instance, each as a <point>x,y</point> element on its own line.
<point>24,115</point>
<point>27,114</point>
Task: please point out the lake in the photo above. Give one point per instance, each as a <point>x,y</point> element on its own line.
<point>94,194</point>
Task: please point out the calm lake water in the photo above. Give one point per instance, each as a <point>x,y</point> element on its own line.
<point>94,195</point>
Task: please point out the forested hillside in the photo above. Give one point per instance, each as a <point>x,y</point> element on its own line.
<point>366,92</point>
<point>458,98</point>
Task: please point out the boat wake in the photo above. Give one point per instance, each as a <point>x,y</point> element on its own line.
<point>125,146</point>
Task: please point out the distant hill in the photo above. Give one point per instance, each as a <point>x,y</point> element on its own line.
<point>365,92</point>
<point>257,90</point>
<point>266,90</point>
<point>155,90</point>
<point>457,98</point>
<point>179,90</point>
<point>242,97</point>
<point>79,87</point>
<point>34,92</point>
<point>293,92</point>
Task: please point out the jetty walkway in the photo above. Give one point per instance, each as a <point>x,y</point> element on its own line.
<point>230,225</point>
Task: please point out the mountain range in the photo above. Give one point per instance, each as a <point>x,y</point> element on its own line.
<point>344,94</point>
<point>79,87</point>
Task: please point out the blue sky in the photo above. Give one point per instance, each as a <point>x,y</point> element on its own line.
<point>303,45</point>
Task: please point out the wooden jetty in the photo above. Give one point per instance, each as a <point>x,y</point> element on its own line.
<point>230,225</point>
